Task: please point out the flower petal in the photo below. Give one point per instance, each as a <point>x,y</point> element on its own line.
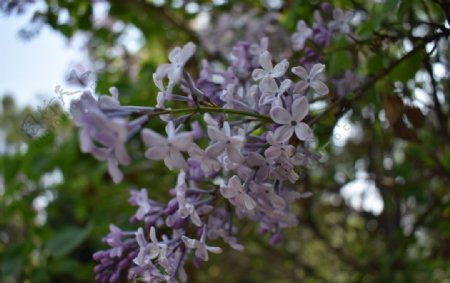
<point>215,149</point>
<point>268,85</point>
<point>175,160</point>
<point>303,132</point>
<point>249,203</point>
<point>316,70</point>
<point>187,52</point>
<point>258,74</point>
<point>215,134</point>
<point>157,152</point>
<point>228,192</point>
<point>161,72</point>
<point>300,87</point>
<point>234,154</point>
<point>182,141</point>
<point>276,201</point>
<point>280,115</point>
<point>285,86</point>
<point>152,138</point>
<point>114,171</point>
<point>280,69</point>
<point>300,71</point>
<point>174,54</point>
<point>300,108</point>
<point>195,218</point>
<point>320,87</point>
<point>284,133</point>
<point>265,60</point>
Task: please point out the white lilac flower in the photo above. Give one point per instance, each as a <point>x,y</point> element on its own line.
<point>271,92</point>
<point>174,71</point>
<point>185,208</point>
<point>268,70</point>
<point>341,21</point>
<point>235,193</point>
<point>292,123</point>
<point>150,251</point>
<point>208,164</point>
<point>277,148</point>
<point>224,141</point>
<point>310,79</point>
<point>301,35</point>
<point>200,247</point>
<point>168,149</point>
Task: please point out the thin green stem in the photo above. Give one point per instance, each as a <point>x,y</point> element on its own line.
<point>207,109</point>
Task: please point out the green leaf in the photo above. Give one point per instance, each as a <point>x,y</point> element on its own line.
<point>68,240</point>
<point>11,261</point>
<point>407,69</point>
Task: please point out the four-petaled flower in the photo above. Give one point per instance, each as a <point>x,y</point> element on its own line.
<point>271,92</point>
<point>341,21</point>
<point>201,249</point>
<point>223,141</point>
<point>292,123</point>
<point>311,79</point>
<point>235,193</point>
<point>303,33</point>
<point>174,71</point>
<point>150,251</point>
<point>168,149</point>
<point>268,70</point>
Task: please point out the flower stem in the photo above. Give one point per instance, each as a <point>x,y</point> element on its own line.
<point>207,109</point>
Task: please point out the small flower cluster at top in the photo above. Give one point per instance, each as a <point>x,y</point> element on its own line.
<point>252,119</point>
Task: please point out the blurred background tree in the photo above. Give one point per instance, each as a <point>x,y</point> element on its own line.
<point>380,209</point>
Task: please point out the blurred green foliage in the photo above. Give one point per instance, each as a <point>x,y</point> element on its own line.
<point>48,232</point>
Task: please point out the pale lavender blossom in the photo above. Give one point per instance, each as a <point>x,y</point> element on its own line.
<point>271,92</point>
<point>185,208</point>
<point>311,79</point>
<point>200,247</point>
<point>267,192</point>
<point>174,71</point>
<point>292,123</point>
<point>97,127</point>
<point>148,251</point>
<point>253,115</point>
<point>268,70</point>
<point>224,141</point>
<point>168,149</point>
<point>341,21</point>
<point>302,34</point>
<point>277,148</point>
<point>235,193</point>
<point>208,163</point>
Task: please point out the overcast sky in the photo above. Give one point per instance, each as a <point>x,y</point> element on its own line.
<point>30,70</point>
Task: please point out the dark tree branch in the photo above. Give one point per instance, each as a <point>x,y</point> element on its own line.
<point>371,81</point>
<point>437,106</point>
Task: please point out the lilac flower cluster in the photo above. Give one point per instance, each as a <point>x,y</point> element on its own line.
<point>237,137</point>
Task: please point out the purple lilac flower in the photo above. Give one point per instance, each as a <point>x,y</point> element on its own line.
<point>301,35</point>
<point>97,127</point>
<point>248,157</point>
<point>310,79</point>
<point>292,123</point>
